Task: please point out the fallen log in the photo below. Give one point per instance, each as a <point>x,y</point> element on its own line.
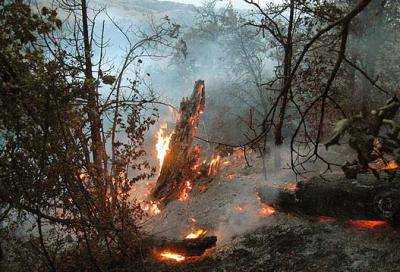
<point>365,198</point>
<point>184,250</point>
<point>179,166</point>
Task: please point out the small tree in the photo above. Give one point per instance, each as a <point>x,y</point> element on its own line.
<point>61,162</point>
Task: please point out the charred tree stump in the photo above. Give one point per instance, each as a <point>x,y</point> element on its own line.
<point>178,169</point>
<point>365,198</point>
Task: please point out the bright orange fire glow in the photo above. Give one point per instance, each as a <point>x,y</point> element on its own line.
<point>197,163</point>
<point>239,208</point>
<point>184,194</point>
<point>238,153</point>
<point>226,163</point>
<point>151,207</point>
<point>291,186</point>
<point>382,165</point>
<point>368,224</point>
<point>168,255</point>
<point>266,210</point>
<point>392,165</point>
<point>214,165</point>
<point>196,234</point>
<point>162,144</point>
<point>231,176</point>
<point>326,219</point>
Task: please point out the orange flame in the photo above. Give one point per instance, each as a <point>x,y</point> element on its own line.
<point>226,163</point>
<point>326,219</point>
<point>368,224</point>
<point>196,234</point>
<point>290,186</point>
<point>392,165</point>
<point>238,153</point>
<point>168,255</point>
<point>184,194</point>
<point>239,208</point>
<point>151,207</point>
<point>214,165</point>
<point>266,210</point>
<point>162,145</point>
<point>231,176</point>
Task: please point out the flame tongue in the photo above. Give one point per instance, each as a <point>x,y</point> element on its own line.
<point>171,256</point>
<point>162,145</point>
<point>196,234</point>
<point>214,165</point>
<point>368,224</point>
<point>266,210</point>
<point>184,193</point>
<point>392,165</point>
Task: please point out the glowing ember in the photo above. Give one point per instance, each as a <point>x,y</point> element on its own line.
<point>214,165</point>
<point>197,163</point>
<point>239,208</point>
<point>266,210</point>
<point>291,186</point>
<point>382,165</point>
<point>162,145</point>
<point>171,256</point>
<point>184,194</point>
<point>154,209</point>
<point>196,234</point>
<point>325,219</point>
<point>368,224</point>
<point>392,165</point>
<point>83,175</point>
<point>203,188</point>
<point>231,176</point>
<point>151,207</point>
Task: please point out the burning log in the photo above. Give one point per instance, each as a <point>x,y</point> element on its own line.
<point>185,250</point>
<point>181,161</point>
<point>365,198</point>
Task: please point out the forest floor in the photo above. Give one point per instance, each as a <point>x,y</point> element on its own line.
<point>250,241</point>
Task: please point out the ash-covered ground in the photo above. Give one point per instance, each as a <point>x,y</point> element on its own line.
<point>251,240</point>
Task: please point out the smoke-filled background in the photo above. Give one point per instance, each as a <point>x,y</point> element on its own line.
<point>213,42</point>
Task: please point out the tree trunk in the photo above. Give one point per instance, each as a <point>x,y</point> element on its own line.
<point>287,70</point>
<point>181,160</point>
<point>98,149</point>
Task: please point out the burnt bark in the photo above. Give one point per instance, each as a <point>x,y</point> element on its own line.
<point>365,198</point>
<point>189,247</point>
<point>182,157</point>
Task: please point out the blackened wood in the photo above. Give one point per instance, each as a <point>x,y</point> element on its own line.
<point>364,198</point>
<point>182,156</point>
<point>188,247</point>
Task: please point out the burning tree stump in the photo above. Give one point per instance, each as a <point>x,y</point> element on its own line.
<point>365,198</point>
<point>179,168</point>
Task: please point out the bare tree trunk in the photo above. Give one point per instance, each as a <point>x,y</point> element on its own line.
<point>98,149</point>
<point>287,70</point>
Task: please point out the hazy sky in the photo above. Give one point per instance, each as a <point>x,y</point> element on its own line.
<point>236,3</point>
